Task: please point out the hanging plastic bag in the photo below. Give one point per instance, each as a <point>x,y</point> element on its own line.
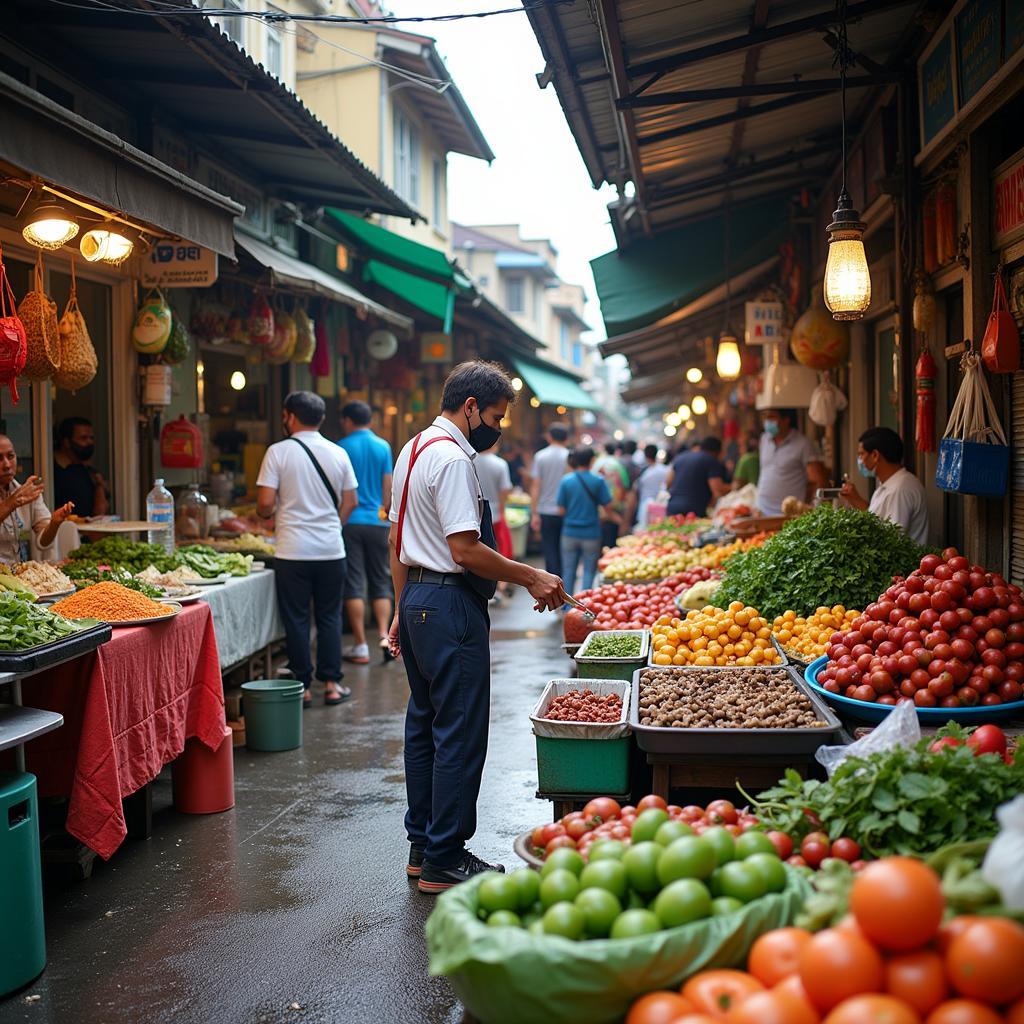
<point>827,402</point>
<point>1001,868</point>
<point>320,366</point>
<point>152,327</point>
<point>38,313</point>
<point>900,728</point>
<point>973,455</point>
<point>260,322</point>
<point>13,343</point>
<point>78,362</point>
<point>305,339</point>
<point>1000,348</point>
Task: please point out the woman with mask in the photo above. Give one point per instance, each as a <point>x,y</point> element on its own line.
<point>74,479</point>
<point>22,509</point>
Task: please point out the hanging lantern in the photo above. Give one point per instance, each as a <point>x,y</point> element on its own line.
<point>694,375</point>
<point>699,405</point>
<point>847,277</point>
<point>818,341</point>
<point>727,362</point>
<point>110,243</point>
<point>924,304</point>
<point>48,224</point>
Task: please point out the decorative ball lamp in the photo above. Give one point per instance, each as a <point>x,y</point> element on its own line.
<point>818,341</point>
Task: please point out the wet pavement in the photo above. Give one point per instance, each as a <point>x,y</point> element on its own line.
<point>293,906</point>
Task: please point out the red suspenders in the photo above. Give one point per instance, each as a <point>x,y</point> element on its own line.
<point>413,456</point>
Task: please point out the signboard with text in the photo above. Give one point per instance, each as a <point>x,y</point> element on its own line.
<point>935,86</point>
<point>175,264</point>
<point>764,322</point>
<point>979,45</point>
<point>1008,201</point>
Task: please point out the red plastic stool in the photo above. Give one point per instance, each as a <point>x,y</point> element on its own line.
<point>203,781</point>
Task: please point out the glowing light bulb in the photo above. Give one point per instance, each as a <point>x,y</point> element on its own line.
<point>700,405</point>
<point>237,381</point>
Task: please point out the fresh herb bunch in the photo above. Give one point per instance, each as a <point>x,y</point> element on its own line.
<point>901,801</point>
<point>117,552</point>
<point>24,625</point>
<point>614,645</point>
<point>85,575</point>
<point>829,556</point>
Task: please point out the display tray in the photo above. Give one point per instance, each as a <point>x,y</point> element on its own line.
<point>657,739</point>
<point>91,634</point>
<point>645,645</point>
<point>174,607</point>
<point>523,847</point>
<point>212,581</point>
<point>55,596</point>
<point>181,601</point>
<point>866,712</point>
<point>581,730</point>
<point>125,526</point>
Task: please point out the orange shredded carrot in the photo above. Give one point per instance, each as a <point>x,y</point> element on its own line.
<point>111,602</point>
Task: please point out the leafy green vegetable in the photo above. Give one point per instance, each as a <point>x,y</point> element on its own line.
<point>826,557</point>
<point>88,574</point>
<point>116,553</point>
<point>901,801</point>
<point>24,625</point>
<point>209,563</point>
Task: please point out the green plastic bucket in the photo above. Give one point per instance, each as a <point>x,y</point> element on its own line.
<point>273,714</point>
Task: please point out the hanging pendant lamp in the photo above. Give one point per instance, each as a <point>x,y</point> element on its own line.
<point>727,361</point>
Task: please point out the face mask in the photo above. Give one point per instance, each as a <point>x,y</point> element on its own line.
<point>83,451</point>
<point>864,471</point>
<point>771,428</point>
<point>482,437</point>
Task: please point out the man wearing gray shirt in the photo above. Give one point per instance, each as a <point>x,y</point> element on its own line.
<point>549,466</point>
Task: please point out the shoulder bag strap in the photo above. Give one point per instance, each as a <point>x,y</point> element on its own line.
<point>417,451</point>
<point>320,473</point>
<point>590,493</point>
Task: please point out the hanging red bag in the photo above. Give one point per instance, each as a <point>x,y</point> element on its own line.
<point>13,340</point>
<point>1000,348</point>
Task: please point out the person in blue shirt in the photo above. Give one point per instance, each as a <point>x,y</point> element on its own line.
<point>366,532</point>
<point>582,495</point>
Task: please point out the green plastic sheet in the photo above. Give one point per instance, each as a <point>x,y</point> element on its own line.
<point>508,976</point>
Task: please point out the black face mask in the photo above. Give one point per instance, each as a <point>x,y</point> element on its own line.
<point>482,437</point>
<point>83,451</point>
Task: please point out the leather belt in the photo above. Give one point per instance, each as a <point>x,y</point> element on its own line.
<point>417,574</point>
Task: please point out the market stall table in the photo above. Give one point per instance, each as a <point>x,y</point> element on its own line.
<point>128,709</point>
<point>245,617</point>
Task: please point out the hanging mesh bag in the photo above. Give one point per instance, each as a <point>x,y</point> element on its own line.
<point>78,362</point>
<point>13,342</point>
<point>38,313</point>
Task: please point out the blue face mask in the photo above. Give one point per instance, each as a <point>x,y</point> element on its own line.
<point>864,471</point>
<point>771,428</point>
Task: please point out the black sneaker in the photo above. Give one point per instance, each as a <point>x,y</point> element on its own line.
<point>415,865</point>
<point>434,880</point>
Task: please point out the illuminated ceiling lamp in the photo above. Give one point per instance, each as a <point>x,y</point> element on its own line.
<point>694,375</point>
<point>237,381</point>
<point>535,402</point>
<point>847,283</point>
<point>727,362</point>
<point>683,412</point>
<point>517,383</point>
<point>699,405</point>
<point>110,242</point>
<point>48,224</point>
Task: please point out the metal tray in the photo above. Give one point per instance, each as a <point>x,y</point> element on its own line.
<point>32,659</point>
<point>662,740</point>
<point>152,620</point>
<point>582,658</point>
<point>581,730</point>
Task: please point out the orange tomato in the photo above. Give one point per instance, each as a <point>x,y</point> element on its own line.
<point>776,955</point>
<point>917,978</point>
<point>717,992</point>
<point>652,800</point>
<point>836,965</point>
<point>774,1007</point>
<point>898,903</point>
<point>658,1008</point>
<point>952,928</point>
<point>984,961</point>
<point>1015,1014</point>
<point>873,1009</point>
<point>696,1018</point>
<point>964,1011</point>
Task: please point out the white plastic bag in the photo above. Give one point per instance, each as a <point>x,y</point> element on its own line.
<point>827,401</point>
<point>1001,868</point>
<point>900,729</point>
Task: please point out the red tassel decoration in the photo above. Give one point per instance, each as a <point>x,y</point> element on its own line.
<point>924,374</point>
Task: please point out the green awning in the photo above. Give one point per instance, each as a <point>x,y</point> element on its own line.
<point>553,386</point>
<point>392,248</point>
<point>437,300</point>
<point>656,276</point>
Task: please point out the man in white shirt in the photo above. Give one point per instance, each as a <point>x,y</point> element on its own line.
<point>899,496</point>
<point>790,466</point>
<point>308,483</point>
<point>445,569</point>
<point>550,464</point>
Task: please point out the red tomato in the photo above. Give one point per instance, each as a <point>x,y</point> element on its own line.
<point>602,808</point>
<point>577,829</point>
<point>722,812</point>
<point>813,852</point>
<point>846,849</point>
<point>943,743</point>
<point>652,800</point>
<point>716,992</point>
<point>691,812</point>
<point>558,842</point>
<point>782,843</point>
<point>988,739</point>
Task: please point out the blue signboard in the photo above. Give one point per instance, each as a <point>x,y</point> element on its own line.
<point>979,45</point>
<point>936,88</point>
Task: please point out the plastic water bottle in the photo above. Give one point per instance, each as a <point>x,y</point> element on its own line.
<point>160,509</point>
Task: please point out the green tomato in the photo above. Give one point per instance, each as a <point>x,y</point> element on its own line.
<point>600,909</point>
<point>606,874</point>
<point>647,824</point>
<point>741,881</point>
<point>530,918</point>
<point>753,842</point>
<point>681,902</point>
<point>607,849</point>
<point>725,905</point>
<point>689,857</point>
<point>770,868</point>
<point>564,919</point>
<point>670,831</point>
<point>560,886</point>
<point>564,858</point>
<point>536,927</point>
<point>527,885</point>
<point>631,923</point>
<point>723,842</point>
<point>504,919</point>
<point>498,892</point>
<point>641,864</point>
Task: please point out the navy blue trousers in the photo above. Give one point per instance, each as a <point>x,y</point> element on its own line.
<point>299,584</point>
<point>444,633</point>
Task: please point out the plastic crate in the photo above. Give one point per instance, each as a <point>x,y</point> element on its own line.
<point>583,766</point>
<point>613,668</point>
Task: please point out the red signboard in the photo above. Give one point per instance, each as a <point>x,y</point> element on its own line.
<point>1008,201</point>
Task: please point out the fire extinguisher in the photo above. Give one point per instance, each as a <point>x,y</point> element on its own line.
<point>924,375</point>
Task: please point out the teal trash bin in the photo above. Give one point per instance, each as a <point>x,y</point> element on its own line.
<point>22,938</point>
<point>273,714</point>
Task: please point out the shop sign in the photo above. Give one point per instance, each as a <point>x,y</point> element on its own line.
<point>764,322</point>
<point>176,264</point>
<point>435,347</point>
<point>935,87</point>
<point>979,45</point>
<point>1008,200</point>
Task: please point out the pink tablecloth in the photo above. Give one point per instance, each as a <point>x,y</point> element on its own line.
<point>128,709</point>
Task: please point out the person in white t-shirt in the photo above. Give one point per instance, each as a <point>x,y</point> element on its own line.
<point>550,464</point>
<point>899,496</point>
<point>308,484</point>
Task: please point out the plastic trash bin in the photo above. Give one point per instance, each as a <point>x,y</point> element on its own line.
<point>273,714</point>
<point>203,780</point>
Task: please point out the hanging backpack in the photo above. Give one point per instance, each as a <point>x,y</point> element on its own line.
<point>1000,348</point>
<point>13,342</point>
<point>38,313</point>
<point>78,362</point>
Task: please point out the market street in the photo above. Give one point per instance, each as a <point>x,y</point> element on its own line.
<point>298,895</point>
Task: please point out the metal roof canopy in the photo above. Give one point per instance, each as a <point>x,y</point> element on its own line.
<point>687,100</point>
<point>187,72</point>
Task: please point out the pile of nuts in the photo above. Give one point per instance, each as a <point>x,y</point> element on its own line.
<point>759,698</point>
<point>585,706</point>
